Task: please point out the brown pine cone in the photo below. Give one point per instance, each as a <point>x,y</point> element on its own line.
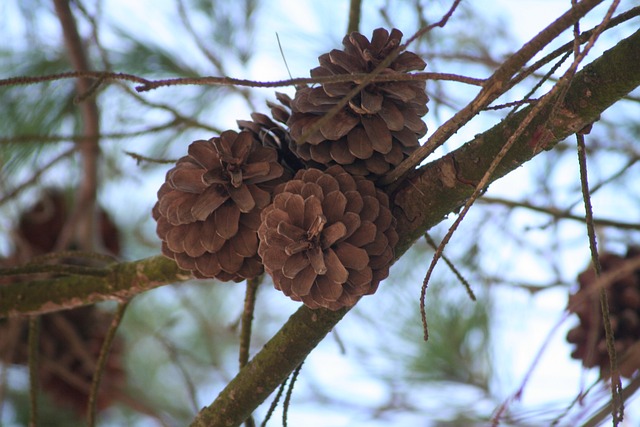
<point>624,312</point>
<point>208,210</point>
<point>378,128</point>
<point>40,226</point>
<point>274,135</point>
<point>70,344</point>
<point>327,238</point>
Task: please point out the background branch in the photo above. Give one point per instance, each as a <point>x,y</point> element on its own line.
<point>81,225</point>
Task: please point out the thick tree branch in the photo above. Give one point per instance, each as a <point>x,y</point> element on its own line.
<point>120,281</point>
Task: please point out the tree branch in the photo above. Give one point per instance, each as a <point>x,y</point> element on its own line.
<point>120,282</point>
<point>81,226</point>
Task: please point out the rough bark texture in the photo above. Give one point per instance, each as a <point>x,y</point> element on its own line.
<point>116,282</point>
<point>421,202</point>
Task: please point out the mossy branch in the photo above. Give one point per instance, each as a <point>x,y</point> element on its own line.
<point>422,201</point>
<point>120,281</point>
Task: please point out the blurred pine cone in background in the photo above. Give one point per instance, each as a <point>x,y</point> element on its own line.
<point>624,313</point>
<point>208,210</point>
<point>70,341</point>
<point>327,238</point>
<point>379,127</point>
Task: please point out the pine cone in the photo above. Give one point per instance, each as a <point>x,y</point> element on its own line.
<point>624,313</point>
<point>271,134</point>
<point>70,344</point>
<point>40,226</point>
<point>327,238</point>
<point>208,210</point>
<point>379,127</point>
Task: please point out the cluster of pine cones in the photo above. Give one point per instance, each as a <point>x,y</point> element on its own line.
<point>294,194</point>
<point>624,314</point>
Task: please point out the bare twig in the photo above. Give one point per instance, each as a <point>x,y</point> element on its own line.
<point>102,362</point>
<point>617,404</point>
<point>361,78</point>
<point>139,158</point>
<point>36,175</point>
<point>453,269</point>
<point>147,85</point>
<point>106,75</point>
<point>287,398</point>
<point>354,16</point>
<point>558,213</point>
<point>172,124</point>
<point>605,411</point>
<point>245,328</point>
<point>247,319</point>
<point>34,339</point>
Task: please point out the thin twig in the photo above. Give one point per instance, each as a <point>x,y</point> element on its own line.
<point>172,124</point>
<point>147,85</point>
<point>139,158</point>
<point>441,23</point>
<point>34,339</point>
<point>102,362</point>
<point>36,175</point>
<point>365,78</point>
<point>274,403</point>
<point>287,399</point>
<point>558,213</point>
<point>567,47</point>
<point>355,7</point>
<point>245,328</point>
<point>617,404</point>
<point>247,319</point>
<point>453,268</point>
<point>627,392</point>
